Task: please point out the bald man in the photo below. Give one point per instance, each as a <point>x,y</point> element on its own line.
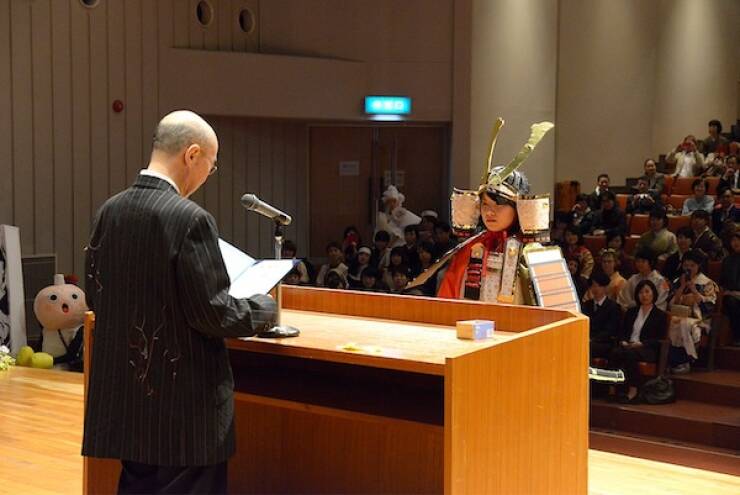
<point>160,397</point>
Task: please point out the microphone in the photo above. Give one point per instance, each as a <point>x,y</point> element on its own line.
<point>252,202</point>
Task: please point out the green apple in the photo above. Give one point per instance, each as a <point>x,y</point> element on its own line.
<point>24,356</point>
<point>42,360</point>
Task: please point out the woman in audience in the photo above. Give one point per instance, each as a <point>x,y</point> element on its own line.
<point>692,304</point>
<point>574,248</point>
<point>397,258</point>
<point>645,265</point>
<point>700,200</point>
<point>579,281</point>
<point>643,327</point>
<point>684,242</point>
<point>615,242</point>
<point>687,159</point>
<point>426,257</point>
<point>730,283</point>
<point>658,240</point>
<point>335,264</point>
<point>704,238</point>
<point>357,266</point>
<point>608,266</point>
<point>609,218</point>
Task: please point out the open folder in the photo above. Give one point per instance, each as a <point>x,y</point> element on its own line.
<point>249,276</point>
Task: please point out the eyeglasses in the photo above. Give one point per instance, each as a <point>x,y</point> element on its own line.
<point>213,169</point>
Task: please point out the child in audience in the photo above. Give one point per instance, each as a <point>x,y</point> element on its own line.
<point>334,280</point>
<point>704,238</point>
<point>700,200</point>
<point>350,243</point>
<point>645,265</point>
<point>643,327</point>
<point>381,252</point>
<point>356,267</point>
<point>397,258</point>
<point>335,264</point>
<point>288,252</point>
<point>730,283</point>
<point>293,277</point>
<point>426,257</point>
<point>698,293</point>
<point>443,240</point>
<point>400,276</point>
<point>371,281</point>
<point>574,248</point>
<point>684,241</point>
<point>411,239</point>
<point>660,241</point>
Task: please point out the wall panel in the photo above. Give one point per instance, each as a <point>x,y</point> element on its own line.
<point>6,115</point>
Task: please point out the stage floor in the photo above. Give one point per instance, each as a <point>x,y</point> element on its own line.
<point>41,431</point>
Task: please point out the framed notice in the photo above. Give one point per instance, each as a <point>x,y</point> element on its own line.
<point>12,307</point>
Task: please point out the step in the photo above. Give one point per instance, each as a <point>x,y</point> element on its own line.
<point>727,357</point>
<point>685,421</point>
<point>715,387</point>
<point>659,449</point>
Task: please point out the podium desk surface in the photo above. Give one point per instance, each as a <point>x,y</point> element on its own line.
<point>391,344</point>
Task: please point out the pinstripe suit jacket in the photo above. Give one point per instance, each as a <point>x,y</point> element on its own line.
<point>161,387</point>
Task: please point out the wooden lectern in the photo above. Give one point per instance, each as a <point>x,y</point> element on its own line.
<point>378,395</point>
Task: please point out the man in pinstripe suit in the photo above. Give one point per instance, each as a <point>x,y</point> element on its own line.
<point>161,389</point>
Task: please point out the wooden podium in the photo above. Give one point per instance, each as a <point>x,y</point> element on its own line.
<point>378,395</point>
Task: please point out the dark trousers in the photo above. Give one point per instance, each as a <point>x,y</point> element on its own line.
<point>627,359</point>
<point>145,478</point>
<point>600,349</point>
<point>731,307</point>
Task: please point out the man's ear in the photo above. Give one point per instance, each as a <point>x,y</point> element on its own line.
<point>191,154</point>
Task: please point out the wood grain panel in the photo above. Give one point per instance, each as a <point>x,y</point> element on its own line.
<point>253,184</point>
<point>6,115</point>
<point>416,309</point>
<point>528,423</point>
<point>116,63</point>
<point>63,225</point>
<point>265,230</point>
<point>43,149</point>
<point>81,197</point>
<point>239,178</point>
<point>133,88</point>
<point>22,114</point>
<point>99,105</point>
<point>228,201</point>
<point>149,76</point>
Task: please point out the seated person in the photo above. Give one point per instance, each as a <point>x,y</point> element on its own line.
<point>697,293</point>
<point>604,317</point>
<point>660,241</point>
<point>725,212</point>
<point>293,277</point>
<point>700,200</point>
<point>425,229</point>
<point>580,282</point>
<point>730,283</point>
<point>350,242</point>
<point>687,159</point>
<point>557,231</point>
<point>334,280</point>
<point>656,181</point>
<point>356,267</point>
<point>581,214</point>
<point>615,242</point>
<point>443,240</point>
<point>371,281</point>
<point>684,241</point>
<point>609,218</point>
<point>643,200</point>
<point>643,327</point>
<point>574,248</point>
<point>608,265</point>
<point>645,265</point>
<point>714,143</point>
<point>381,252</point>
<point>400,275</point>
<point>397,258</point>
<point>426,258</point>
<point>288,252</point>
<point>731,176</point>
<point>411,240</point>
<point>335,264</point>
<point>602,185</point>
<point>704,238</point>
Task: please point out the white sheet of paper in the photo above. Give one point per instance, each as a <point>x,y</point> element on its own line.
<point>249,276</point>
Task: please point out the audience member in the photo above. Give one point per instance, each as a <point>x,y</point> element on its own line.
<point>644,199</point>
<point>334,280</point>
<point>608,265</point>
<point>350,242</point>
<point>656,181</point>
<point>684,241</point>
<point>715,142</point>
<point>580,282</point>
<point>688,160</point>
<point>426,258</point>
<point>604,317</point>
<point>288,252</point>
<point>615,242</point>
<point>411,239</point>
<point>602,185</point>
<point>704,238</point>
<point>357,266</point>
<point>645,265</point>
<point>443,240</point>
<point>293,277</point>
<point>609,218</point>
<point>700,200</point>
<point>371,281</point>
<point>731,174</point>
<point>557,231</point>
<point>397,258</point>
<point>400,275</point>
<point>660,241</point>
<point>381,252</point>
<point>730,283</point>
<point>644,325</point>
<point>429,216</point>
<point>425,229</point>
<point>574,248</point>
<point>335,264</point>
<point>692,303</point>
<point>581,213</point>
<point>726,214</point>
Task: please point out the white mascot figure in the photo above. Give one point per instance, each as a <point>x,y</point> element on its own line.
<point>394,217</point>
<point>60,308</point>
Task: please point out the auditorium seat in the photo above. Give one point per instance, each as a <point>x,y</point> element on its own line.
<point>668,185</point>
<point>639,224</point>
<point>675,222</point>
<point>622,200</point>
<point>682,185</point>
<point>715,270</point>
<point>630,242</point>
<point>594,243</point>
<point>712,183</point>
<point>676,200</point>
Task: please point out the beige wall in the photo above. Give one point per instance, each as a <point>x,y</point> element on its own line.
<point>514,68</point>
<point>635,77</point>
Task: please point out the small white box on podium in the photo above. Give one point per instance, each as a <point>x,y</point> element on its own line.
<point>475,329</point>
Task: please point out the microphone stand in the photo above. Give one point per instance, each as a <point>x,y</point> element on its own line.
<point>279,331</point>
